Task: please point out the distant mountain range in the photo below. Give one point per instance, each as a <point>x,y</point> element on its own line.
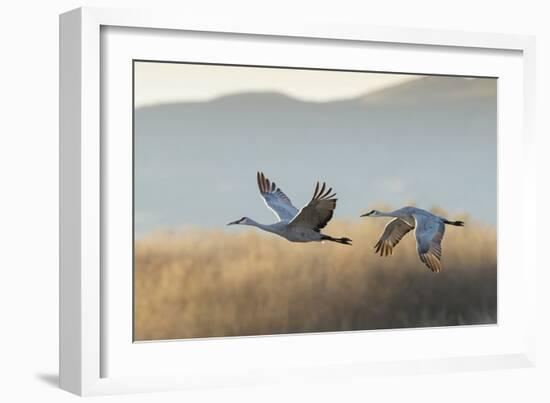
<point>431,140</point>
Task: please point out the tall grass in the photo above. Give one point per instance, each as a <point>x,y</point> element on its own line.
<point>200,283</point>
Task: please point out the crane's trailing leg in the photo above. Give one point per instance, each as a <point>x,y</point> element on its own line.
<point>455,223</point>
<point>344,241</point>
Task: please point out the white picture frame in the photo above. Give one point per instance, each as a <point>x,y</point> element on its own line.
<point>96,355</point>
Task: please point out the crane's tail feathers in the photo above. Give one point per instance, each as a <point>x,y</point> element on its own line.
<point>343,241</point>
<point>455,223</point>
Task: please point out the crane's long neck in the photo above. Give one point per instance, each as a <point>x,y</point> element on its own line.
<point>265,227</point>
<point>388,214</point>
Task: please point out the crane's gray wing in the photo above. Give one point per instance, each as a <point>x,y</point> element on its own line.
<point>429,233</point>
<point>318,212</point>
<point>394,231</point>
<point>275,199</point>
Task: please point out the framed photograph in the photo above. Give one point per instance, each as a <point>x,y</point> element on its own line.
<point>250,202</point>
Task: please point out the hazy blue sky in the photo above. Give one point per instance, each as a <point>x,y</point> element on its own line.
<point>202,132</point>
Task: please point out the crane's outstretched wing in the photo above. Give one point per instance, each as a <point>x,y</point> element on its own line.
<point>318,212</point>
<point>394,231</point>
<point>275,199</point>
<point>429,234</point>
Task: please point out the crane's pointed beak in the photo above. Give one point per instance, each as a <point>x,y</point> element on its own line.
<point>367,214</point>
<point>233,222</point>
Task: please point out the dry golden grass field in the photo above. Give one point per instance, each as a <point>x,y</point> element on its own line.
<point>199,283</point>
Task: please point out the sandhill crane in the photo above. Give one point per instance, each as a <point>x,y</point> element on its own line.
<point>296,226</point>
<point>428,228</point>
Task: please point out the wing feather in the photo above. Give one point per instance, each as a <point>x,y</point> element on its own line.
<point>318,212</point>
<point>394,231</point>
<point>429,234</point>
<point>275,199</point>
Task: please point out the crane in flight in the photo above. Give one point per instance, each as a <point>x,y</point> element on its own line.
<point>428,228</point>
<point>304,225</point>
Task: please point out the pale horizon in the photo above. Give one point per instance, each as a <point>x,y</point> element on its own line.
<point>162,83</point>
